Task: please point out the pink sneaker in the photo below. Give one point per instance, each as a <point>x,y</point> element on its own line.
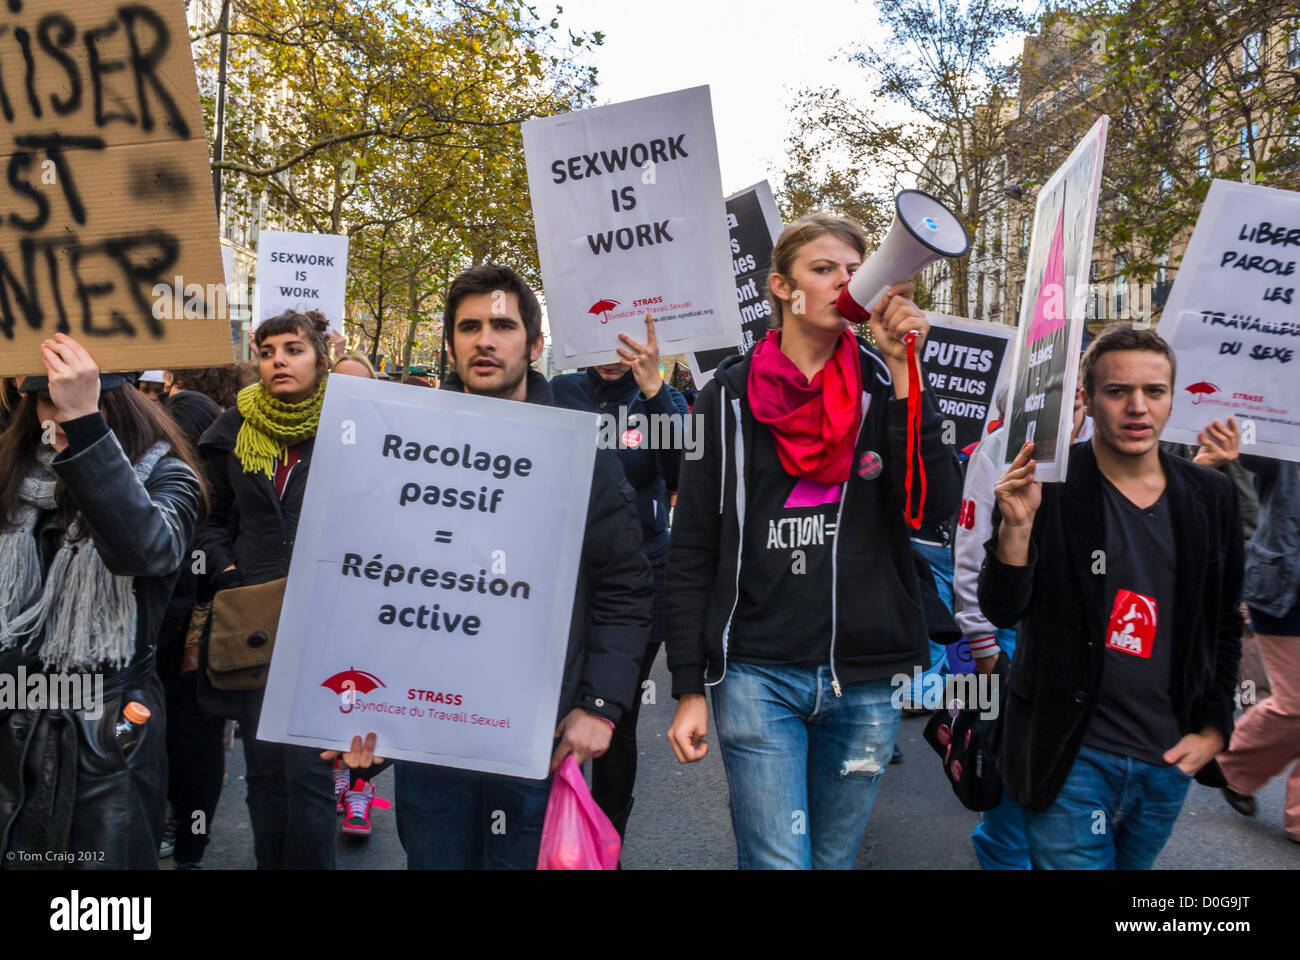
<point>342,778</point>
<point>358,802</point>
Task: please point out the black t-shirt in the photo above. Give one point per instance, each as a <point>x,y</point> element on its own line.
<point>783,613</point>
<point>1135,714</point>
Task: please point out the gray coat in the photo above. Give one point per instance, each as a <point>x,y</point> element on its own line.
<point>1273,553</point>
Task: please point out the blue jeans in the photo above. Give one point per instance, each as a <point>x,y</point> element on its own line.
<point>1113,812</point>
<point>803,765</point>
<point>450,819</point>
<point>941,565</point>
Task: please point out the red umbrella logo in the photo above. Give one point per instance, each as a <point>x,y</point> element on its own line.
<point>348,683</point>
<point>602,307</point>
<point>1199,389</point>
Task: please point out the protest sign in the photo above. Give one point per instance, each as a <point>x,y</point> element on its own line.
<point>962,360</point>
<point>755,224</point>
<point>111,232</point>
<point>1045,364</point>
<point>627,204</point>
<point>438,615</point>
<point>1233,320</point>
<point>301,272</point>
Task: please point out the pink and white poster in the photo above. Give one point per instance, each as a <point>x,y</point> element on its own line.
<point>1049,338</point>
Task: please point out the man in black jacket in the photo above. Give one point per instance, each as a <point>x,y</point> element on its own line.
<point>461,819</point>
<point>1126,579</point>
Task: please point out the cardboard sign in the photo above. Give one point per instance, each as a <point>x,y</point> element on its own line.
<point>1233,319</point>
<point>755,224</point>
<point>301,272</point>
<point>1045,366</point>
<point>438,615</point>
<point>963,360</point>
<point>109,232</point>
<point>627,204</point>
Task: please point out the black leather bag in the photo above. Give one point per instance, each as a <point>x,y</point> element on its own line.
<point>964,741</point>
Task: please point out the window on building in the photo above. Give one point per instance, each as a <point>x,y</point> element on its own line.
<point>1293,46</point>
<point>1251,50</point>
<point>1160,291</point>
<point>1121,286</point>
<point>979,295</point>
<point>1166,183</point>
<point>1024,237</point>
<point>1247,139</point>
<point>1203,160</point>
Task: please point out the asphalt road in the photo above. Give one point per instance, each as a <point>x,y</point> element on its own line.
<point>680,819</point>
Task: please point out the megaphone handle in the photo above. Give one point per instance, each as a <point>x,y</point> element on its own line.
<point>914,462</point>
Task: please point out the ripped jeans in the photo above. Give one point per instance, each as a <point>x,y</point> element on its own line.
<point>803,765</point>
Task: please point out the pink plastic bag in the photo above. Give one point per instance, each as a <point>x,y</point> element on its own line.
<point>576,834</point>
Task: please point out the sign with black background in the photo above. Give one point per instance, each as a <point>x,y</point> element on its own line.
<point>962,360</point>
<point>754,224</point>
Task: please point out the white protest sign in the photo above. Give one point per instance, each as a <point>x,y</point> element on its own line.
<point>438,614</point>
<point>1045,365</point>
<point>1233,319</point>
<point>627,204</point>
<point>963,361</point>
<point>301,272</point>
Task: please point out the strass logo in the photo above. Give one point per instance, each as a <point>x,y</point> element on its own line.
<point>1132,627</point>
<point>349,683</point>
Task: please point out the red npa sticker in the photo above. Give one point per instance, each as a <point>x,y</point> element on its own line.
<point>1132,627</point>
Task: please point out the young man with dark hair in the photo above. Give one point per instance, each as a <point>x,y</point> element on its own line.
<point>1126,580</point>
<point>446,816</point>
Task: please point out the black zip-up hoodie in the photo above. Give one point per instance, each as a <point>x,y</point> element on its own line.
<point>878,629</point>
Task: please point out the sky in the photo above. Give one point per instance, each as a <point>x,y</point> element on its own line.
<point>754,56</point>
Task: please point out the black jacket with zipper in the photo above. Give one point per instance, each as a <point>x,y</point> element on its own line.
<point>878,629</point>
<point>1059,600</point>
<point>65,784</point>
<point>610,624</point>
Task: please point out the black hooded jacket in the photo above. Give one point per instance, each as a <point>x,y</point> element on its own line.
<point>610,625</point>
<point>878,627</point>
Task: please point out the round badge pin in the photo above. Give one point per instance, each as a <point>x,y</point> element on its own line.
<point>870,465</point>
<point>632,438</point>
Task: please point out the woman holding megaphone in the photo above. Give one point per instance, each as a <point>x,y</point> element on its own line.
<point>791,585</point>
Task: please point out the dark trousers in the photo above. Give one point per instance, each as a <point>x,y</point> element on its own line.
<point>450,819</point>
<point>290,802</point>
<point>613,774</point>
<point>196,765</point>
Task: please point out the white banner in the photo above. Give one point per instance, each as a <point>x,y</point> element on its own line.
<point>627,204</point>
<point>437,612</point>
<point>1233,319</point>
<point>1045,365</point>
<point>301,271</point>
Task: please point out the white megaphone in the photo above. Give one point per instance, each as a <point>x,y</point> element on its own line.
<point>924,230</point>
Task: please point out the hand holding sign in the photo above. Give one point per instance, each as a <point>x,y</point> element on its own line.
<point>74,378</point>
<point>643,359</point>
<point>1018,493</point>
<point>1219,444</point>
<point>361,755</point>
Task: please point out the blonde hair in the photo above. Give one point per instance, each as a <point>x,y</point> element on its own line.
<point>803,231</point>
<point>356,358</point>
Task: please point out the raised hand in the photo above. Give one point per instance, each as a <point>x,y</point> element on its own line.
<point>1019,494</point>
<point>74,378</point>
<point>643,358</point>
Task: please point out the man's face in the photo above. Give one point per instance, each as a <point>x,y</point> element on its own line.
<point>489,345</point>
<point>1131,400</point>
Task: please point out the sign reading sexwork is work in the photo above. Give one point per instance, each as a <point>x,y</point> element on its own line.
<point>107,226</point>
<point>439,617</point>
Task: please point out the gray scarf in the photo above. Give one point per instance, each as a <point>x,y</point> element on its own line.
<point>84,615</point>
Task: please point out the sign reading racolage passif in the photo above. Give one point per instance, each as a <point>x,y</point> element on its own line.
<point>627,205</point>
<point>1233,319</point>
<point>438,615</point>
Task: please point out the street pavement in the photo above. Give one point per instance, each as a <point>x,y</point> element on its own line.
<point>680,819</point>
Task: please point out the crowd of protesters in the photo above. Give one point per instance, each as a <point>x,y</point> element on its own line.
<point>826,541</point>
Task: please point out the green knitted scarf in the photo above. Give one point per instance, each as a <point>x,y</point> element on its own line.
<point>271,425</point>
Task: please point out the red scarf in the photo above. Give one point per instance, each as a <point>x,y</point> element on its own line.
<point>814,422</point>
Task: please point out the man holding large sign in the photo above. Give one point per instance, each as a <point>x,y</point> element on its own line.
<point>1233,319</point>
<point>627,202</point>
<point>446,621</point>
<point>1050,336</point>
<point>111,235</point>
